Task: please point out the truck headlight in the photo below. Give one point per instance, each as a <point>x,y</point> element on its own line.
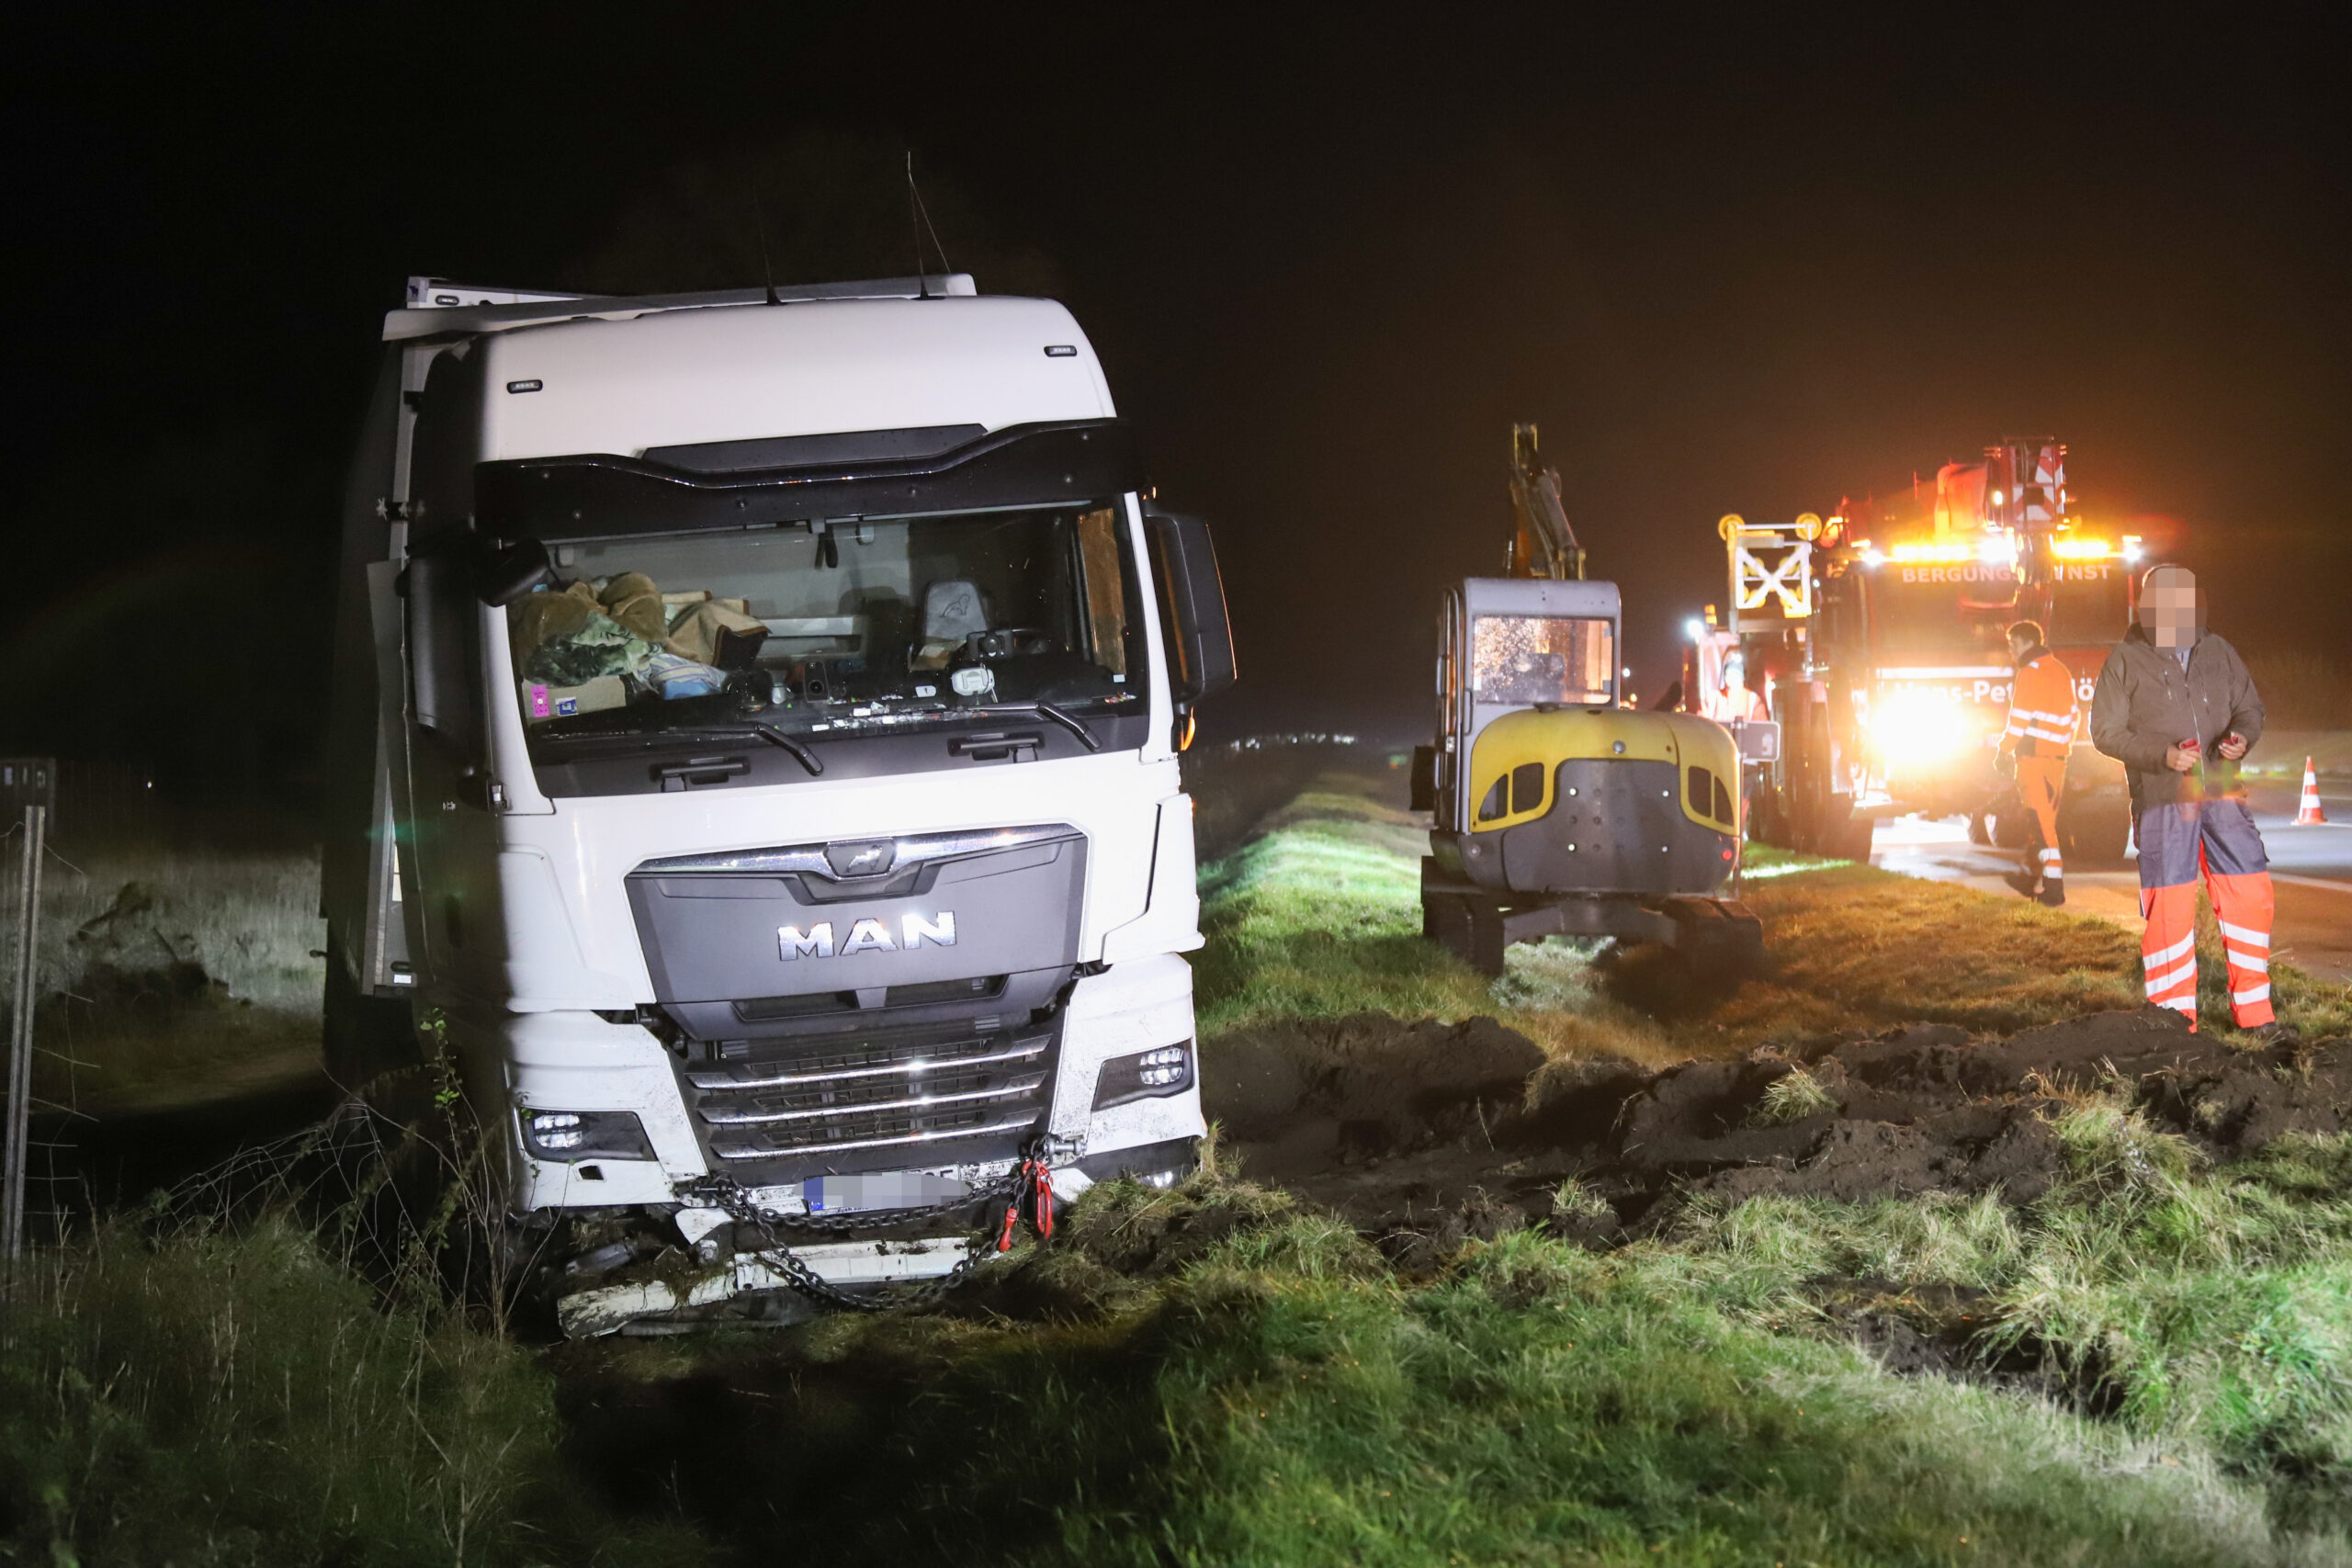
<point>585,1135</point>
<point>1144,1076</point>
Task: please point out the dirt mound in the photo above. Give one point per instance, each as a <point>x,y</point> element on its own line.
<point>1427,1134</point>
<point>1388,1087</point>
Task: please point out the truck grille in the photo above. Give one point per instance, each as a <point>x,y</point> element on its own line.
<point>815,1101</point>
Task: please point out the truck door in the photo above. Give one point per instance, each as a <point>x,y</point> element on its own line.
<point>451,897</point>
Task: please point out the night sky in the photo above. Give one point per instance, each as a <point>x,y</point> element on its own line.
<point>1328,255</point>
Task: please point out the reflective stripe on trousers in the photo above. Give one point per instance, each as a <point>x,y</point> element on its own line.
<point>2217,838</point>
<point>2041,781</point>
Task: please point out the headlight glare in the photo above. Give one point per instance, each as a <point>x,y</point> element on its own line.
<point>1917,728</point>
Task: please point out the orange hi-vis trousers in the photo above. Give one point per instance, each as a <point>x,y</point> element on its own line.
<point>2041,781</point>
<point>2218,838</point>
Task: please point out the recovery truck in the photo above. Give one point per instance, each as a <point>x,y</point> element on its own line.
<point>1557,811</point>
<point>1881,634</point>
<point>756,732</point>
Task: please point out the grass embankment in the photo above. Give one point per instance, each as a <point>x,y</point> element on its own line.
<point>2208,1311</point>
<point>177,965</point>
<point>1320,916</point>
<point>239,1395</point>
<point>1214,1376</point>
<point>1210,1377</point>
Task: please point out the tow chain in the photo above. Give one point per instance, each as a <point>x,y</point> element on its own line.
<point>1029,1178</point>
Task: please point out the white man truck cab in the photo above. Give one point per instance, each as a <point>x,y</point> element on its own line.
<point>756,745</point>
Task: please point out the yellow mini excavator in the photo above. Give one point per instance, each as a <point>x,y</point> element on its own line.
<point>1558,812</point>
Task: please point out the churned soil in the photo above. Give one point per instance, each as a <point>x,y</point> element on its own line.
<point>1426,1135</point>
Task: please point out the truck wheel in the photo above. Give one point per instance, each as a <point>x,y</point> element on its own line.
<point>2012,829</point>
<point>1855,837</point>
<point>362,1037</point>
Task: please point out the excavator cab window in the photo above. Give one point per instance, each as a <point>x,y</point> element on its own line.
<point>1570,661</point>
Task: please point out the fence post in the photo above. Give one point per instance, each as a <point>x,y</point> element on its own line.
<point>29,784</point>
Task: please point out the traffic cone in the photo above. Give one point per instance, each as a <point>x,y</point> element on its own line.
<point>2309,815</point>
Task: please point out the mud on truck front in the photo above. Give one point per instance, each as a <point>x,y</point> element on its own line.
<point>756,742</point>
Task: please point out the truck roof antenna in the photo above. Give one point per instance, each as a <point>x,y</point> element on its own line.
<point>767,273</point>
<point>919,219</point>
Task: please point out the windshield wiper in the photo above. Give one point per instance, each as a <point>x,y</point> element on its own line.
<point>1068,720</point>
<point>774,737</point>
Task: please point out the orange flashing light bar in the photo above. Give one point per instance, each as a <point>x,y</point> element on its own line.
<point>2081,549</point>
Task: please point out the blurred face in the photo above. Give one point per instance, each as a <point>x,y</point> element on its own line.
<point>2168,607</point>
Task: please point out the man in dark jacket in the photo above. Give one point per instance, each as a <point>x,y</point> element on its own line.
<point>2176,706</point>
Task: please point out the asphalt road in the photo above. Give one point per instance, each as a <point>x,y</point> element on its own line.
<point>2311,869</point>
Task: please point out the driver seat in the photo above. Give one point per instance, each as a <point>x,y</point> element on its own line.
<point>952,610</point>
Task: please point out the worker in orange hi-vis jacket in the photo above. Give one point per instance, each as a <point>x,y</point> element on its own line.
<point>2043,718</point>
<point>1735,699</point>
<point>2176,706</point>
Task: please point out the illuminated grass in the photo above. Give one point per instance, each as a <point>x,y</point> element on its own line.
<point>1855,947</point>
<point>2207,1308</point>
<point>1320,916</point>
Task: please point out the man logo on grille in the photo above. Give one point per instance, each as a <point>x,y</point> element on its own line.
<point>866,936</point>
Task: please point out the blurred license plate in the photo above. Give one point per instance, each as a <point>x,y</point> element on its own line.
<point>879,1189</point>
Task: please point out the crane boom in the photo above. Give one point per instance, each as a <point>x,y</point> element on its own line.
<point>1543,546</point>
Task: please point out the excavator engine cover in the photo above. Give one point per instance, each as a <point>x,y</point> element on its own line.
<point>1599,801</point>
<point>1615,827</point>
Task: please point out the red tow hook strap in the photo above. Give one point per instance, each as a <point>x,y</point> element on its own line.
<point>1037,1178</point>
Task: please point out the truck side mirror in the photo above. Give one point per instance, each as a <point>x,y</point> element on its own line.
<point>444,658</point>
<point>506,573</point>
<point>1192,595</point>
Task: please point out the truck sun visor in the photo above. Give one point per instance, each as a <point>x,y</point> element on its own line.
<point>602,495</point>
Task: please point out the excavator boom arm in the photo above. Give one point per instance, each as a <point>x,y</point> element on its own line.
<point>1544,544</point>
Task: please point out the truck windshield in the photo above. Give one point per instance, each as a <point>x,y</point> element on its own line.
<point>2087,607</point>
<point>1543,659</point>
<point>1942,615</point>
<point>867,624</point>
